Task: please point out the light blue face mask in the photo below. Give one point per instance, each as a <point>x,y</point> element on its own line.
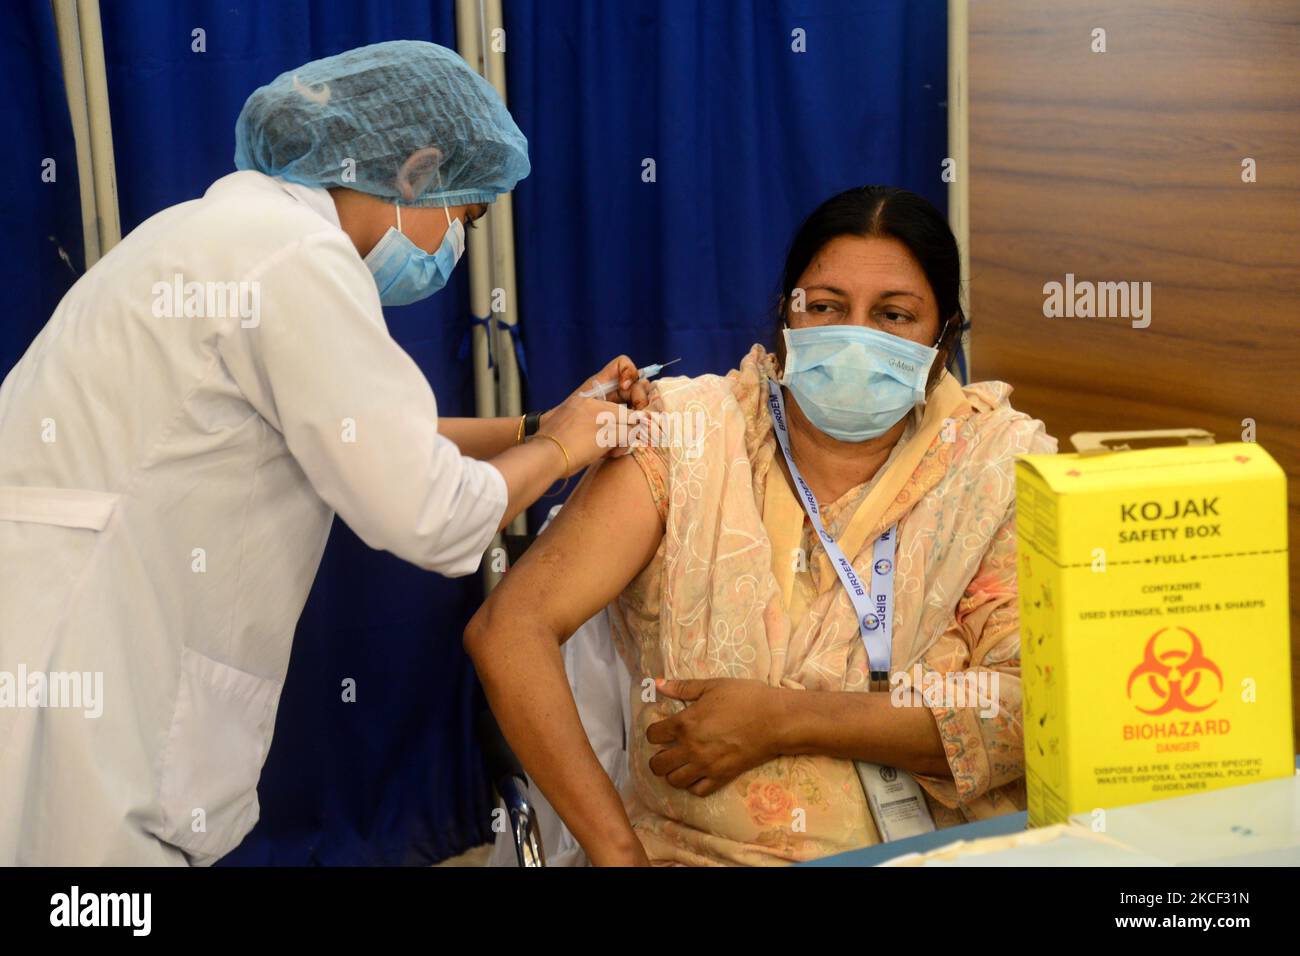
<point>404,272</point>
<point>854,383</point>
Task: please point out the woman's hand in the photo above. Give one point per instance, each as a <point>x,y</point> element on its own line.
<point>728,727</point>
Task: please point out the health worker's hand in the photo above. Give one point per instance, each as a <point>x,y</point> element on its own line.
<point>610,423</point>
<point>631,390</point>
<point>588,429</point>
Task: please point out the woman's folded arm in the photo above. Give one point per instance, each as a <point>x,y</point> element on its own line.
<point>984,741</point>
<point>958,727</point>
<point>856,726</point>
<point>731,725</point>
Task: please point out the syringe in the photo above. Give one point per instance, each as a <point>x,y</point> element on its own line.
<point>602,390</point>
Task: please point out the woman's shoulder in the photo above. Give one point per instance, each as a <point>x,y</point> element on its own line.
<point>736,399</point>
<point>743,384</point>
<point>1001,428</point>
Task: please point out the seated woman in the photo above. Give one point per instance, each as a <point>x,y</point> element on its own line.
<point>752,683</point>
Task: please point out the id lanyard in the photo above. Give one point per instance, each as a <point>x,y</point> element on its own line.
<point>874,611</point>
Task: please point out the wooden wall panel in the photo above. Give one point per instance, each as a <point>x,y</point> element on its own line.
<point>1126,166</point>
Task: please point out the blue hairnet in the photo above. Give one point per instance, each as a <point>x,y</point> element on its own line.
<point>419,126</point>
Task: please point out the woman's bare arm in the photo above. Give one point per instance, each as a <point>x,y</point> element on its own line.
<point>863,727</point>
<point>602,539</point>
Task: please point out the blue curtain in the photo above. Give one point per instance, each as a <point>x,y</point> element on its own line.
<point>746,136</point>
<point>40,208</point>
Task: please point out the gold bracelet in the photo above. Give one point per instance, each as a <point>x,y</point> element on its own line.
<point>519,436</point>
<point>558,445</point>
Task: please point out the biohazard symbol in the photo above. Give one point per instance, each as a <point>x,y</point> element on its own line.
<point>1174,676</point>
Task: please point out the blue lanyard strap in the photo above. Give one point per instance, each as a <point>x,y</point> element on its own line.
<point>875,612</point>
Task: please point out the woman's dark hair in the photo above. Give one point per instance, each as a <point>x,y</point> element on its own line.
<point>885,211</point>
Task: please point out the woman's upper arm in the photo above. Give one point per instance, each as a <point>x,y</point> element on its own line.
<point>603,537</point>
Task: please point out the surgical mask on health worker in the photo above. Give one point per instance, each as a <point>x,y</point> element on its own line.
<point>404,272</point>
<point>167,540</point>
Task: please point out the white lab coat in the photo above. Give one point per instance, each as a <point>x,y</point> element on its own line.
<point>166,489</point>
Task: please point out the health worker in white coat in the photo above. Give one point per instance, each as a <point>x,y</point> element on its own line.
<point>176,441</point>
